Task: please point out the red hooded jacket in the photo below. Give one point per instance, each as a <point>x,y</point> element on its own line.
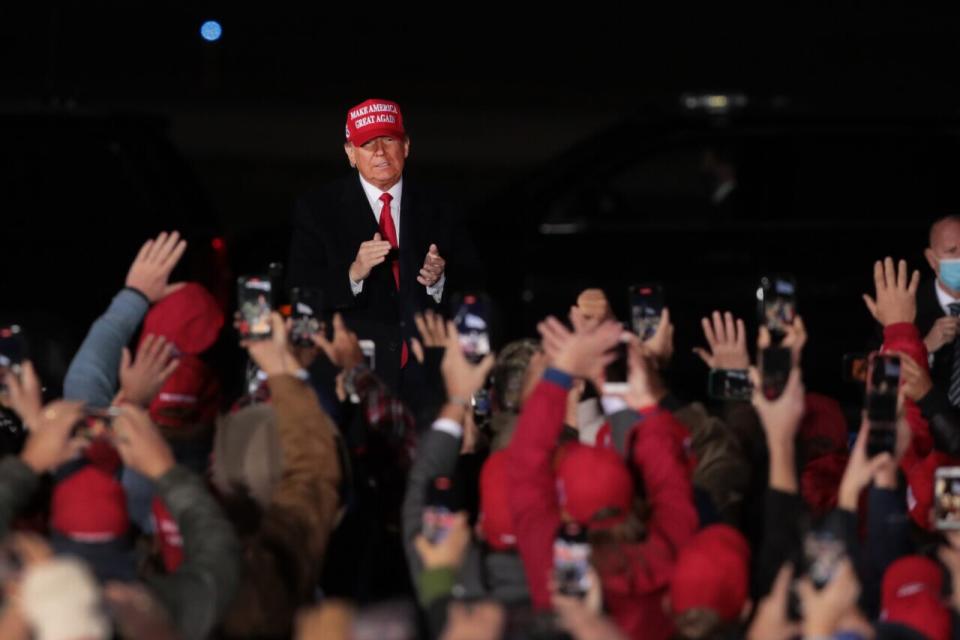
<point>634,585</point>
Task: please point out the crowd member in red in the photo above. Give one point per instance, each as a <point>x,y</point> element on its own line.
<point>634,573</point>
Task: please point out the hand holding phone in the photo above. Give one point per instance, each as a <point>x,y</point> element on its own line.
<point>255,302</point>
<point>646,306</point>
<point>571,560</point>
<point>472,319</point>
<point>777,304</point>
<point>883,383</point>
<point>730,384</point>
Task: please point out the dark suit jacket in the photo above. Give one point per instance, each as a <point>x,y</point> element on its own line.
<point>328,226</point>
<point>928,311</point>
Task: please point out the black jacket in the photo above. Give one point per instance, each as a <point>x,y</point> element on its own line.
<point>330,223</point>
<point>928,312</point>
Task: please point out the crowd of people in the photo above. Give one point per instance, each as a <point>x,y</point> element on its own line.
<point>440,492</point>
<point>139,507</point>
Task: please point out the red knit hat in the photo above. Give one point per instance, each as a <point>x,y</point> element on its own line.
<point>190,318</point>
<point>374,118</point>
<point>496,519</point>
<point>89,505</point>
<point>913,597</point>
<point>712,572</point>
<point>594,486</point>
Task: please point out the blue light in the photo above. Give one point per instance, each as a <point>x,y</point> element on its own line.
<point>211,31</point>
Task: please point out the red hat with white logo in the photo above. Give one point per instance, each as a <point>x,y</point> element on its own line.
<point>912,595</point>
<point>374,118</point>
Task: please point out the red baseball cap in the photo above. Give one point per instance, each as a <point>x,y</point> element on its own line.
<point>496,519</point>
<point>190,397</point>
<point>712,572</point>
<point>374,118</point>
<point>189,317</point>
<point>913,597</point>
<point>594,486</point>
<point>89,505</point>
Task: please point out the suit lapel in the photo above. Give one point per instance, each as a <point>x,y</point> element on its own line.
<point>357,215</point>
<point>409,268</point>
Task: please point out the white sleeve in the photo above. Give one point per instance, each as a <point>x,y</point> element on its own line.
<point>355,287</point>
<point>436,289</point>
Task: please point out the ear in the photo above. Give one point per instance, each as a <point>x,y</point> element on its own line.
<point>351,152</point>
<point>931,259</point>
<point>406,146</point>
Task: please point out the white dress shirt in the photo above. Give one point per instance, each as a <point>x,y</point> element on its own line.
<point>944,298</point>
<point>376,205</point>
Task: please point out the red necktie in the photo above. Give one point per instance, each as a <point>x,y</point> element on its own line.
<point>389,232</point>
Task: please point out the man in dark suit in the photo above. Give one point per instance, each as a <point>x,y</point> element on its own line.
<point>938,306</point>
<point>379,246</point>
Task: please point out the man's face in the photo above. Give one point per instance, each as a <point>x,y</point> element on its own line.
<point>944,243</point>
<point>380,160</point>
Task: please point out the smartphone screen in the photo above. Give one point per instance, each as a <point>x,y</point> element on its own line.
<point>775,364</point>
<point>777,298</point>
<point>615,373</point>
<point>646,305</point>
<point>571,560</point>
<point>439,510</point>
<point>823,551</point>
<point>883,382</point>
<point>473,324</point>
<point>13,351</point>
<point>729,384</point>
<point>946,498</point>
<point>305,306</point>
<point>854,367</point>
<point>255,302</point>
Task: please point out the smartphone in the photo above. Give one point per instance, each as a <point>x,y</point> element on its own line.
<point>775,364</point>
<point>729,384</point>
<point>571,560</point>
<point>777,298</point>
<point>13,351</point>
<point>369,351</point>
<point>255,302</point>
<point>883,382</point>
<point>275,276</point>
<point>480,401</point>
<point>615,373</point>
<point>854,367</point>
<point>305,305</point>
<point>473,324</point>
<point>646,306</point>
<point>92,416</point>
<point>440,509</point>
<point>946,498</point>
<point>823,550</point>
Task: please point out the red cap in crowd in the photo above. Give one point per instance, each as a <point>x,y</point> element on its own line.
<point>820,482</point>
<point>374,118</point>
<point>712,572</point>
<point>89,505</point>
<point>190,396</point>
<point>190,318</point>
<point>496,519</point>
<point>594,486</point>
<point>823,429</point>
<point>913,597</point>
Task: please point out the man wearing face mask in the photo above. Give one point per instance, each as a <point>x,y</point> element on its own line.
<point>938,306</point>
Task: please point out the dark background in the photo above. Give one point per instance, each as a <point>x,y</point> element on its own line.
<point>494,98</point>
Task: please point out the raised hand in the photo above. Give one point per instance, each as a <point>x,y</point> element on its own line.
<point>896,299</point>
<point>24,393</point>
<point>344,350</point>
<point>141,380</point>
<point>582,354</point>
<point>140,444</point>
<point>150,272</point>
<point>727,338</point>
